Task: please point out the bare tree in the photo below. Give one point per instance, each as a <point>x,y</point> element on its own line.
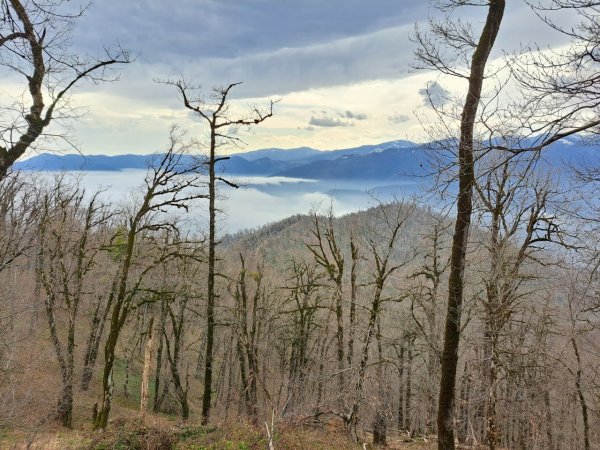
<point>17,222</point>
<point>563,86</point>
<point>35,41</point>
<point>302,306</point>
<point>429,55</point>
<point>215,113</point>
<point>381,252</point>
<point>185,272</point>
<point>249,309</point>
<point>68,251</point>
<point>515,206</point>
<point>17,212</point>
<point>327,252</point>
<point>543,113</point>
<point>425,305</point>
<point>173,182</point>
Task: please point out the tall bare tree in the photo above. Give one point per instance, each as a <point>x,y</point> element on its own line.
<point>173,182</point>
<point>216,113</point>
<point>428,54</point>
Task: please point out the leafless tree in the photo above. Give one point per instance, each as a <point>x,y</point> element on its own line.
<point>382,248</point>
<point>216,113</point>
<point>327,252</point>
<point>302,306</point>
<point>515,206</point>
<point>17,238</point>
<point>67,252</point>
<point>455,34</point>
<point>35,49</point>
<point>426,304</point>
<point>173,182</point>
<point>492,119</point>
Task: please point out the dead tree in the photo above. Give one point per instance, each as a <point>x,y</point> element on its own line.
<point>216,114</point>
<point>35,44</point>
<point>148,350</point>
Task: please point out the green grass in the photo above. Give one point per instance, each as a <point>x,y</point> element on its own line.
<point>134,384</point>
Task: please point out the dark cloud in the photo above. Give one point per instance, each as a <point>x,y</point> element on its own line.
<point>327,122</point>
<point>234,28</point>
<point>434,94</point>
<point>275,47</point>
<point>398,118</point>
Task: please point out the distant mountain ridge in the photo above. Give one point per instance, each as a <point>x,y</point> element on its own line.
<point>383,161</point>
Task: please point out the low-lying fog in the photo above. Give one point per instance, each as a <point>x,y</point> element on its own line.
<point>259,200</point>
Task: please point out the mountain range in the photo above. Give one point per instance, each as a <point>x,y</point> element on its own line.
<point>384,161</point>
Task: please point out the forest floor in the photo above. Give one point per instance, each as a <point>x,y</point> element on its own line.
<point>156,433</point>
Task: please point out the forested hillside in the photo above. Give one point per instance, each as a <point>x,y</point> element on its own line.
<point>321,321</point>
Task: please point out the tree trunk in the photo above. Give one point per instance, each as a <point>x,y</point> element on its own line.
<point>464,206</point>
<point>144,390</point>
<point>159,358</point>
<point>490,375</point>
<point>400,412</point>
<point>353,290</point>
<point>582,401</point>
<point>408,394</point>
<point>107,382</point>
<point>380,420</point>
<point>549,428</point>
<point>380,427</point>
<point>64,410</point>
<point>93,342</point>
<point>340,340</point>
<point>210,301</point>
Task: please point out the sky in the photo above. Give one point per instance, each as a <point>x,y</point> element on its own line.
<point>341,69</point>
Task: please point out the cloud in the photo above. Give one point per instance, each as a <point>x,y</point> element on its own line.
<point>398,118</point>
<point>434,94</point>
<point>357,116</point>
<point>327,122</point>
<point>351,62</point>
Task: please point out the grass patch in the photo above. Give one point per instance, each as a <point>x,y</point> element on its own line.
<point>134,384</point>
